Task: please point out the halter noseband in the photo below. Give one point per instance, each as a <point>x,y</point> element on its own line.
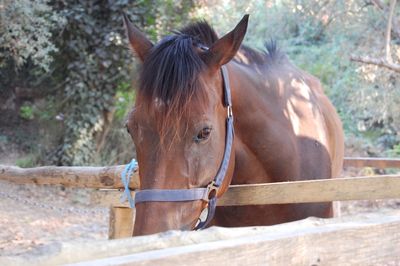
<point>209,193</point>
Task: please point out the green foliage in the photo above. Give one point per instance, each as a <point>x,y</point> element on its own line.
<point>26,112</point>
<point>95,59</point>
<point>76,54</point>
<point>396,150</point>
<point>94,53</point>
<point>25,31</point>
<point>27,161</point>
<point>124,100</point>
<point>168,16</point>
<point>47,110</point>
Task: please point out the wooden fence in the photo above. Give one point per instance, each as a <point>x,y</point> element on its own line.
<point>369,239</point>
<point>358,240</point>
<point>110,177</point>
<point>121,217</point>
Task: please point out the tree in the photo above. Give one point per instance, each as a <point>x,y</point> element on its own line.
<point>387,60</point>
<point>25,32</point>
<point>97,62</point>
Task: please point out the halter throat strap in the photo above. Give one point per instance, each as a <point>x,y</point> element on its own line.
<point>209,193</point>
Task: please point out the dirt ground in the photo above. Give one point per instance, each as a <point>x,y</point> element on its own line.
<point>32,218</point>
<point>35,217</point>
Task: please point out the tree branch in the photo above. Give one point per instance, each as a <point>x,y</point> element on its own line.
<point>382,62</point>
<point>386,61</point>
<point>384,9</point>
<point>388,32</point>
<point>379,4</point>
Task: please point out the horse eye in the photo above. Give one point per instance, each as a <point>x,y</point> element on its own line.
<point>127,128</point>
<point>203,134</point>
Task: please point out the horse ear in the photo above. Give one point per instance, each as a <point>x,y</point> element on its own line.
<point>138,41</point>
<point>224,49</point>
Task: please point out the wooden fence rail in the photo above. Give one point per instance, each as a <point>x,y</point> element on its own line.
<point>322,190</point>
<point>72,176</point>
<point>371,162</point>
<point>110,177</point>
<point>368,239</point>
<point>361,240</point>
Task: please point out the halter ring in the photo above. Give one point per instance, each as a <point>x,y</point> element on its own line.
<point>229,111</point>
<point>210,189</point>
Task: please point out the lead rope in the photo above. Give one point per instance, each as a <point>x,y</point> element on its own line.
<point>126,179</point>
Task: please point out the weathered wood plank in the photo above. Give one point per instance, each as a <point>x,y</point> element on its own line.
<point>372,239</point>
<point>121,222</point>
<point>83,177</point>
<point>371,162</point>
<point>110,177</point>
<point>322,190</point>
<point>352,243</point>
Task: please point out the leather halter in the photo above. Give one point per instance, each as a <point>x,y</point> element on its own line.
<point>209,193</point>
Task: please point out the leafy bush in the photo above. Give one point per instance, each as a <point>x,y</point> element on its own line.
<point>124,99</point>
<point>94,55</point>
<point>26,112</point>
<point>25,31</point>
<point>27,161</point>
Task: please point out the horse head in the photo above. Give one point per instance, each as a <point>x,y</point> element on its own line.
<point>180,124</point>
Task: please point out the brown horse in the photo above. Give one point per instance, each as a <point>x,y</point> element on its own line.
<point>285,128</point>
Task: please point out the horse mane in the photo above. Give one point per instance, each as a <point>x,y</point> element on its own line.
<point>169,79</point>
<point>268,57</point>
<point>273,53</point>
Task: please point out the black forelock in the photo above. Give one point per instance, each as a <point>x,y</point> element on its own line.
<point>202,31</point>
<point>170,72</point>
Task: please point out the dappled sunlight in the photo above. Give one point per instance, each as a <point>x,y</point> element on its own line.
<point>68,80</point>
<point>242,58</point>
<point>301,104</point>
<point>368,72</point>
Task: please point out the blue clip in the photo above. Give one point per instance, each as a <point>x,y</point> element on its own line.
<point>126,179</point>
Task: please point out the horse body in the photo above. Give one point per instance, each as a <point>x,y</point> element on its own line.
<point>285,127</point>
<point>285,130</point>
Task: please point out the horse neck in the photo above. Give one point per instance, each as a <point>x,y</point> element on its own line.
<point>259,124</point>
<point>253,94</point>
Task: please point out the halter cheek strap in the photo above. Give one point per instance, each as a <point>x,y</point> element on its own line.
<point>207,194</point>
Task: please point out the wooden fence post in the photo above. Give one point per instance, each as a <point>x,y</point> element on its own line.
<point>121,222</point>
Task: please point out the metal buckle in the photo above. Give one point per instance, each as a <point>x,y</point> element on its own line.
<point>229,110</point>
<point>210,189</point>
